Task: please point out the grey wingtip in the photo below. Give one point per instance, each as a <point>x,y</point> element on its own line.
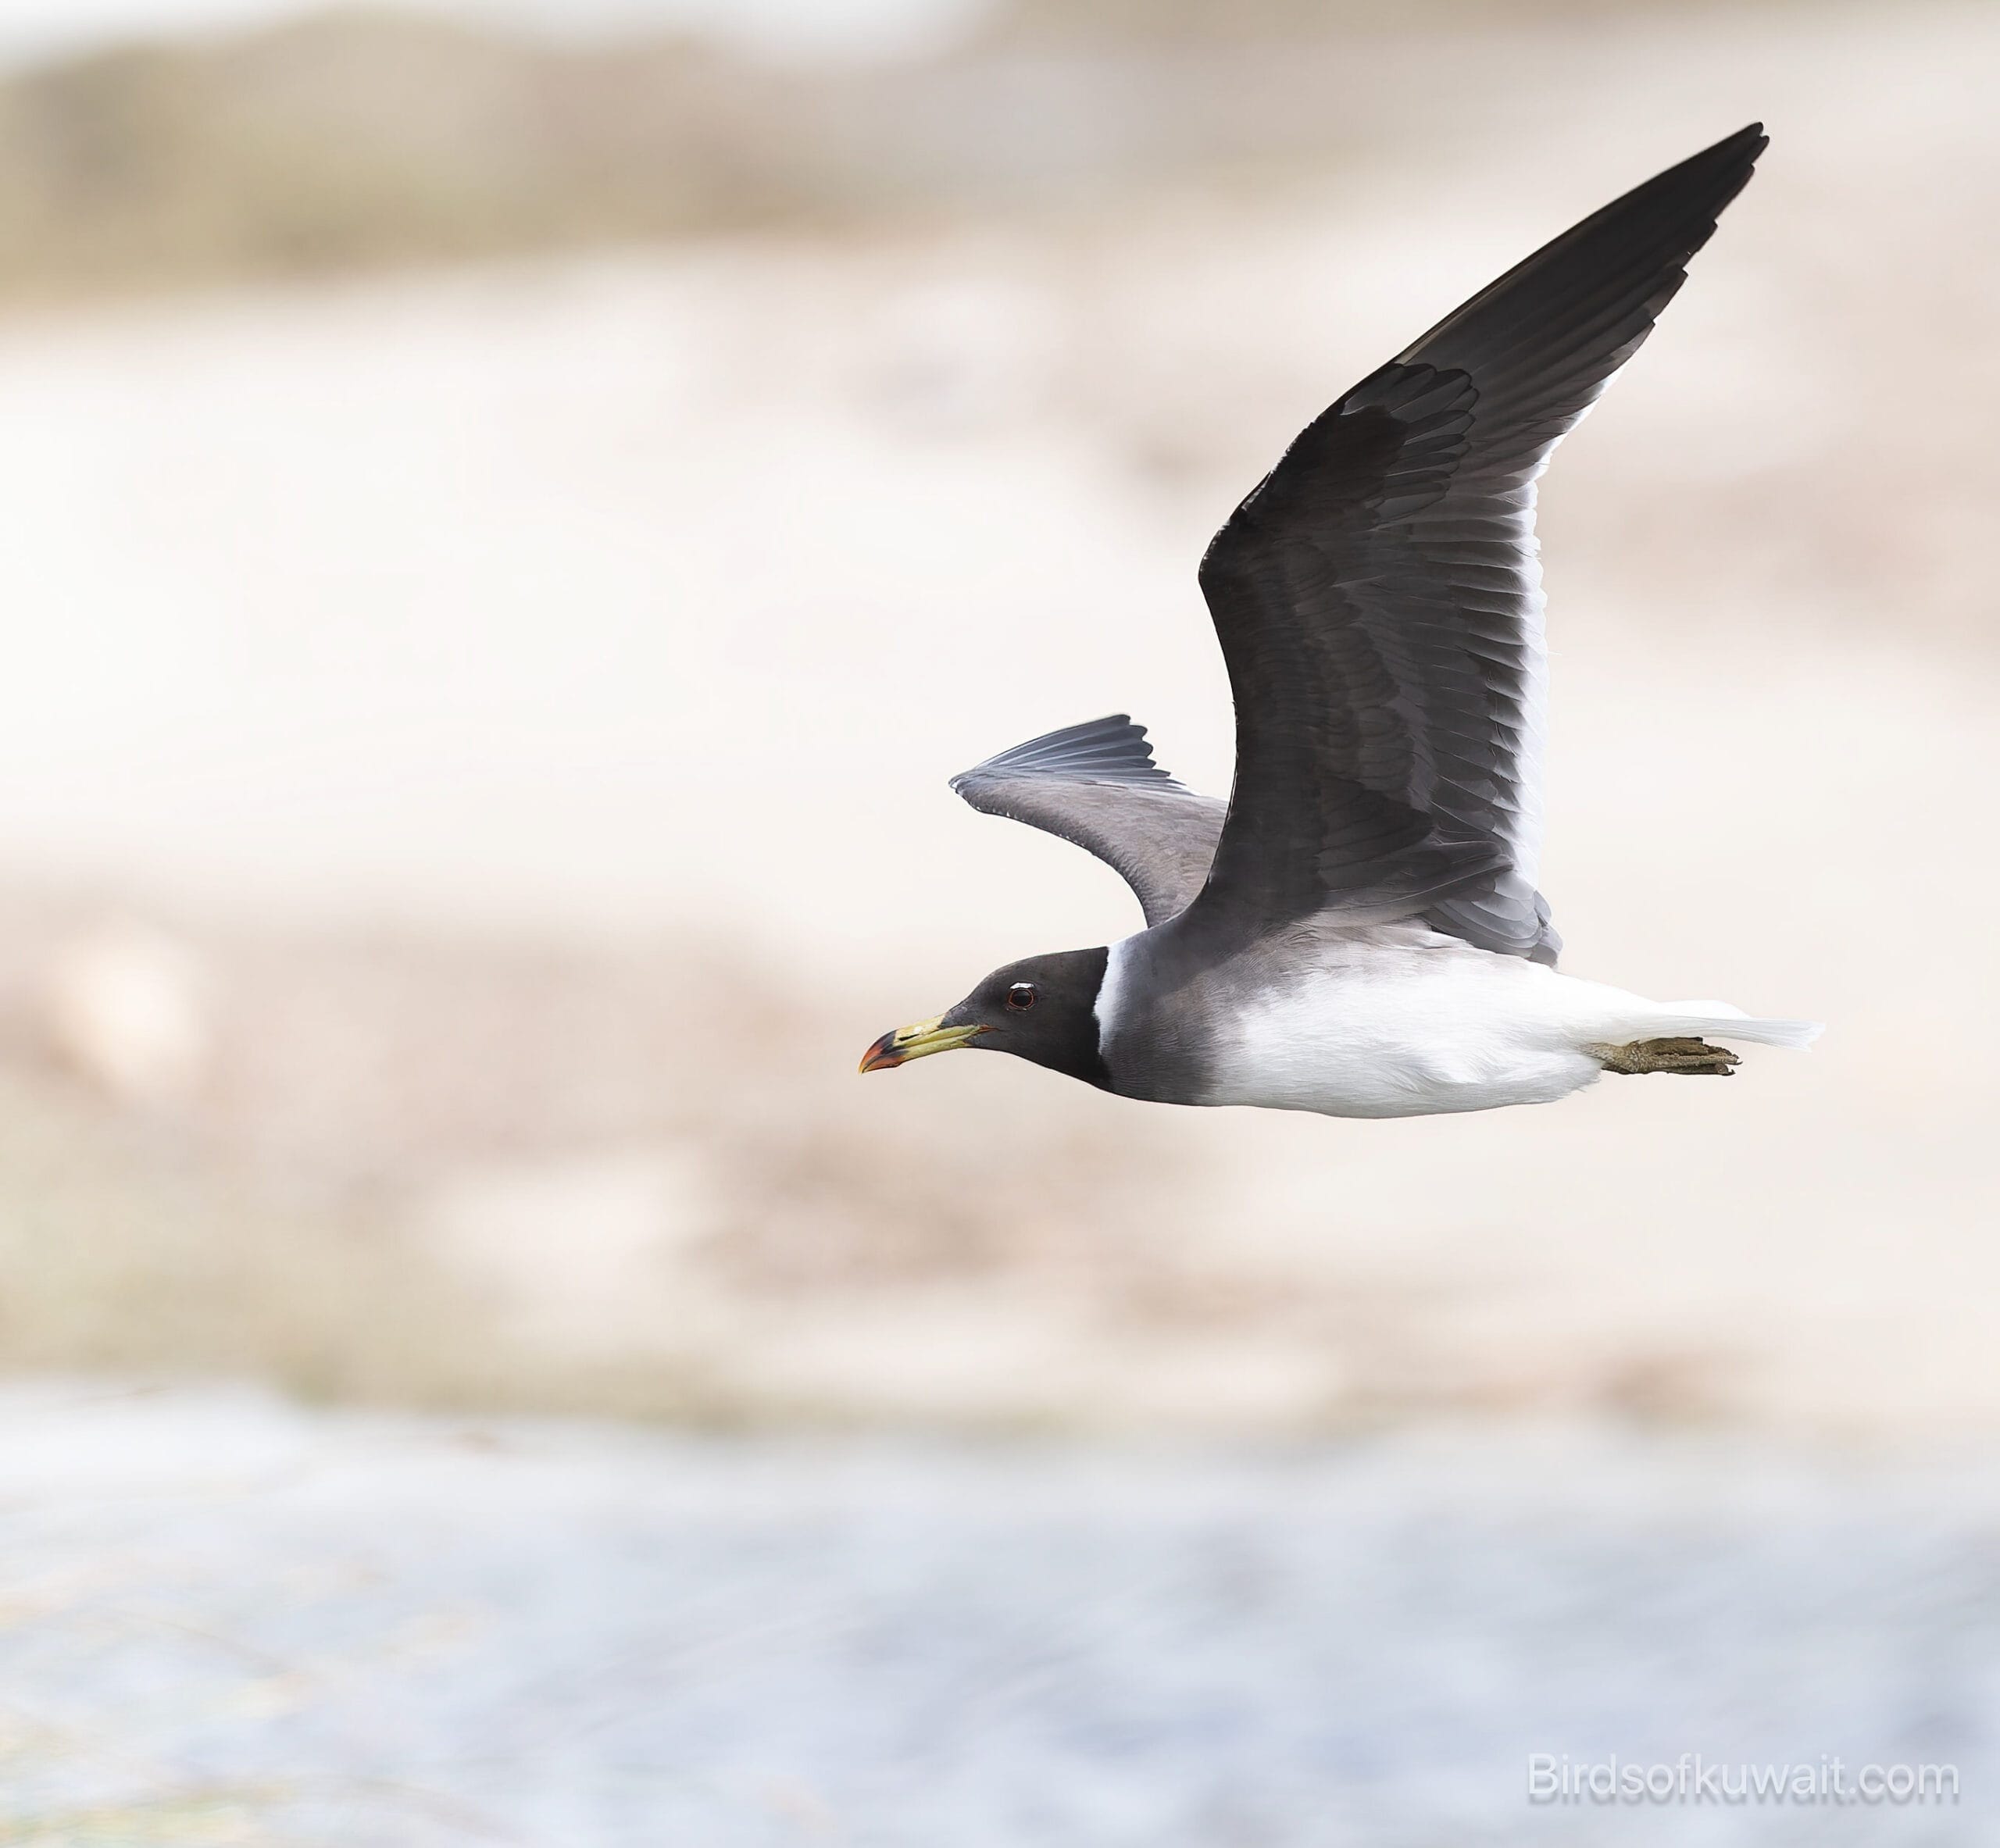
<point>1112,749</point>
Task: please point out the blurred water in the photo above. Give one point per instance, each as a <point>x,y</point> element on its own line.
<point>227,1620</point>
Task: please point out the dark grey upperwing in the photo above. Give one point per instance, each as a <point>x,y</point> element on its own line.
<point>1097,785</point>
<point>1379,601</point>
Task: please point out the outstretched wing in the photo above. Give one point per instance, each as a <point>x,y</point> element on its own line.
<point>1378,597</point>
<point>1097,785</point>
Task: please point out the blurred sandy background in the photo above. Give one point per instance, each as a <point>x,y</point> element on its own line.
<point>511,519</point>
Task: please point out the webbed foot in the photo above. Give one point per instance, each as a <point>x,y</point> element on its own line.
<point>1696,1058</point>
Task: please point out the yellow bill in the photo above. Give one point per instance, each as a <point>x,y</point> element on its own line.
<point>917,1042</point>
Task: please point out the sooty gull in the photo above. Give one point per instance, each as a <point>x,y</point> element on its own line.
<point>1358,931</point>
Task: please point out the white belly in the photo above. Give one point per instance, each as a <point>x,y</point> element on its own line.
<point>1418,1027</point>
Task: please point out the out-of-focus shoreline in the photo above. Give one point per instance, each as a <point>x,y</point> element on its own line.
<point>359,141</point>
<point>472,780</point>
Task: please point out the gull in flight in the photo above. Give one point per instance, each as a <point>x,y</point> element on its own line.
<point>1358,930</point>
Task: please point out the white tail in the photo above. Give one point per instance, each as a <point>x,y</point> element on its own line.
<point>1725,1022</point>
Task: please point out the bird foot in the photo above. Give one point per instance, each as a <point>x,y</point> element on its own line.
<point>1696,1058</point>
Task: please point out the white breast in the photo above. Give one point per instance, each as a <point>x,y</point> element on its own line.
<point>1407,1023</point>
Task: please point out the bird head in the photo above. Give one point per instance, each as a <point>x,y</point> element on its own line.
<point>1042,1009</point>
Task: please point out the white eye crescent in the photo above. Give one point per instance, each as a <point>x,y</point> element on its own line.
<point>1021,997</point>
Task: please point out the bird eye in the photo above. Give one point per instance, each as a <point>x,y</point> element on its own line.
<point>1020,998</point>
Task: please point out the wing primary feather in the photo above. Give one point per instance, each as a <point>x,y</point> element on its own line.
<point>1378,594</point>
<point>1108,750</point>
